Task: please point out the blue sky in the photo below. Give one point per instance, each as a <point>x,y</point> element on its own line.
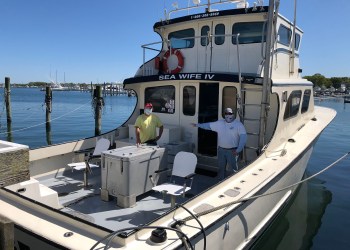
<point>99,40</point>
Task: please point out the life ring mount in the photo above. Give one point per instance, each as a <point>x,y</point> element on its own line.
<point>173,61</point>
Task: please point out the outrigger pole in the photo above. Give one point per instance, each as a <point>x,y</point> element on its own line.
<point>266,88</point>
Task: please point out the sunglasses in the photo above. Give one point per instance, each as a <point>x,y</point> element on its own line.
<point>228,113</point>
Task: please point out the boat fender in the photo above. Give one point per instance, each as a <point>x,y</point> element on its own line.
<point>180,61</point>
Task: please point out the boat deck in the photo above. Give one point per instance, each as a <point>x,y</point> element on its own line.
<point>86,203</point>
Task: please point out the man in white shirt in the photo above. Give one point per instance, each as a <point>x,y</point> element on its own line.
<point>232,137</point>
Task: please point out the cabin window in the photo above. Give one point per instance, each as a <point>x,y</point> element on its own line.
<point>229,99</point>
<point>182,39</point>
<point>189,100</point>
<point>251,32</point>
<point>297,41</point>
<point>306,101</point>
<point>219,34</point>
<point>162,98</point>
<point>284,35</point>
<point>293,104</point>
<point>204,35</point>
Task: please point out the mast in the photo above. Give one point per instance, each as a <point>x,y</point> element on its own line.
<point>265,101</point>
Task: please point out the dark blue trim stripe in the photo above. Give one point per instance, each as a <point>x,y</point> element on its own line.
<point>216,77</point>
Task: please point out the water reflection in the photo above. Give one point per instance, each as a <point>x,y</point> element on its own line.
<point>300,221</point>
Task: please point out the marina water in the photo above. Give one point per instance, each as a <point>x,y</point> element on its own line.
<point>72,116</point>
<point>318,217</point>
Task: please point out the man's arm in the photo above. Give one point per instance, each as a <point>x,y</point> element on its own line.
<point>242,142</point>
<point>137,133</point>
<point>160,133</point>
<point>202,125</point>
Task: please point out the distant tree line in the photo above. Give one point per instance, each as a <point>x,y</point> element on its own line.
<point>323,82</point>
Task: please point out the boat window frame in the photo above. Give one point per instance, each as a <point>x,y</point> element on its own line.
<point>292,107</point>
<point>161,105</point>
<point>281,38</point>
<point>188,39</point>
<point>242,32</point>
<point>204,36</point>
<point>297,41</point>
<point>306,101</point>
<point>219,37</point>
<point>190,109</point>
<point>227,102</point>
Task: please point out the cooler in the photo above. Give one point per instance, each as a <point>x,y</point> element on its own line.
<point>125,172</point>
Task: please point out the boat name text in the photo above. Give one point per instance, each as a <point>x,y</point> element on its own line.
<point>187,77</point>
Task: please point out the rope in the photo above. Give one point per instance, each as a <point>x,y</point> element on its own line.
<point>262,195</point>
<point>112,235</point>
<point>36,125</point>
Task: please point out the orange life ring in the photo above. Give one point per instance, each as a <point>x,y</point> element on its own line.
<point>180,61</point>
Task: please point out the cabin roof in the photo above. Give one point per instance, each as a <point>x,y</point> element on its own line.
<point>205,15</point>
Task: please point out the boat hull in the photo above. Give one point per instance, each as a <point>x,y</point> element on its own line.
<point>243,226</point>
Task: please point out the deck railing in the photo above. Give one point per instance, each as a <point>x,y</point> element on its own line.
<point>150,70</point>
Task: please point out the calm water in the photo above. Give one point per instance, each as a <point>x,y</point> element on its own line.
<point>72,116</point>
<point>318,217</point>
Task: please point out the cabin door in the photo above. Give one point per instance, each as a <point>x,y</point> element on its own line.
<point>208,109</point>
<point>204,48</point>
<point>189,93</point>
<point>214,47</point>
<point>220,47</point>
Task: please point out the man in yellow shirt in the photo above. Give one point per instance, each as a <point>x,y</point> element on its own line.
<point>145,127</point>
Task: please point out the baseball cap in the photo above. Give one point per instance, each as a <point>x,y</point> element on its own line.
<point>228,110</point>
<point>148,106</point>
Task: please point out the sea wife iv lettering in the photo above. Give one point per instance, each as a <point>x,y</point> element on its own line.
<point>187,77</point>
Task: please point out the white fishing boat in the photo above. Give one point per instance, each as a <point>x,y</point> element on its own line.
<point>242,57</point>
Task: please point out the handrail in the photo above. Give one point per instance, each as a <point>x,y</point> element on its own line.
<point>208,4</point>
<point>209,36</point>
<point>144,47</point>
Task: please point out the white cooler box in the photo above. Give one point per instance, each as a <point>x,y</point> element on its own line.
<point>125,172</point>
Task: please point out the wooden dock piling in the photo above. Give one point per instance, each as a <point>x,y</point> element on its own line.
<point>8,99</point>
<point>98,101</point>
<point>7,93</point>
<point>48,103</point>
<point>6,233</point>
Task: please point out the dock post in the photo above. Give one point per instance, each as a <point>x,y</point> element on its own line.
<point>7,237</point>
<point>7,93</point>
<point>48,102</point>
<point>8,99</point>
<point>98,102</point>
<point>91,89</point>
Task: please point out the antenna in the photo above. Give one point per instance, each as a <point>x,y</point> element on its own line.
<point>242,4</point>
